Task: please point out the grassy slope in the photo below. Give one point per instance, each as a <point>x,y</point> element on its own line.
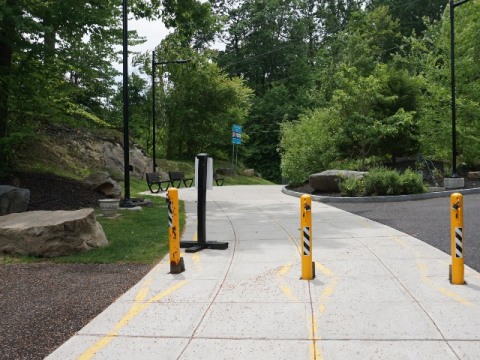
<point>140,237</point>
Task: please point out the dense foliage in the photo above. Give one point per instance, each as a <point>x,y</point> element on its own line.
<point>315,84</point>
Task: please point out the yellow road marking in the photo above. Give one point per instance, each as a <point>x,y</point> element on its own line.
<point>135,309</point>
<point>325,271</point>
<point>283,286</point>
<point>422,267</point>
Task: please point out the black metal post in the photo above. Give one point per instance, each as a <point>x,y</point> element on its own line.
<point>153,111</point>
<point>201,184</point>
<point>127,202</point>
<point>202,197</point>
<point>452,74</point>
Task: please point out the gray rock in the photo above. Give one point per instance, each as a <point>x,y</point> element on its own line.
<point>13,199</point>
<point>102,182</point>
<point>473,175</point>
<point>114,159</point>
<point>328,180</point>
<point>249,172</point>
<point>50,233</point>
<point>224,171</point>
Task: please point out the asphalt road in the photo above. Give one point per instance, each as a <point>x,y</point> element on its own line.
<point>427,220</point>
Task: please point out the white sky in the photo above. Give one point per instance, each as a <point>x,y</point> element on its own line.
<point>153,31</point>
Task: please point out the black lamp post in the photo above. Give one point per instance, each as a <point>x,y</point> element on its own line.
<point>453,5</point>
<point>127,202</point>
<point>154,64</point>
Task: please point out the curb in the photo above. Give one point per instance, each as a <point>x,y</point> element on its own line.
<point>374,199</point>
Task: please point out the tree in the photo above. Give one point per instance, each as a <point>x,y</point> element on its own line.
<point>308,145</point>
<point>271,44</point>
<point>412,14</point>
<point>428,59</point>
<point>201,108</point>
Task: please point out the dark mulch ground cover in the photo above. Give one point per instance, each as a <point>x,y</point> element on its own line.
<point>43,304</point>
<point>50,192</point>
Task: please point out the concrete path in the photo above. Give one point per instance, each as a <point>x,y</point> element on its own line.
<point>378,293</point>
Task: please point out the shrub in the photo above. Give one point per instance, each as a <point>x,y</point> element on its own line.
<point>381,181</point>
<point>411,182</point>
<point>352,187</point>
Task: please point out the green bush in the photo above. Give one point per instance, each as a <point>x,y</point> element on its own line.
<point>352,187</point>
<point>382,181</point>
<point>411,182</point>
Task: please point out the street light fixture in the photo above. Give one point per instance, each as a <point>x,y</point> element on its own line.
<point>453,5</point>
<point>154,64</point>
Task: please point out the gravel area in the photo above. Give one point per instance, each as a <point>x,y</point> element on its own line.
<point>42,305</point>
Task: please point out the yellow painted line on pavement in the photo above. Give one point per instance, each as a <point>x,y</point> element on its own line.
<point>329,289</point>
<point>137,307</point>
<point>283,286</point>
<point>323,269</point>
<point>143,292</point>
<point>422,267</point>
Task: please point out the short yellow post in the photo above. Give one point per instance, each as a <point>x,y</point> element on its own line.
<point>308,267</point>
<point>176,262</point>
<point>457,268</point>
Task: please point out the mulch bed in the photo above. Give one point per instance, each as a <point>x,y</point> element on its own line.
<point>50,192</point>
<point>43,304</point>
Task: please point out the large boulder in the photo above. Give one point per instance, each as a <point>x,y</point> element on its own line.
<point>327,181</point>
<point>13,199</point>
<point>102,182</point>
<point>50,233</point>
<point>473,175</point>
<point>114,159</point>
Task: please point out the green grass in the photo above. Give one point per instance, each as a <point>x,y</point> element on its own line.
<point>136,236</point>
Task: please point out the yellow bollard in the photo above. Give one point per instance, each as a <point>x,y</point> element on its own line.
<point>457,268</point>
<point>176,262</point>
<point>308,267</point>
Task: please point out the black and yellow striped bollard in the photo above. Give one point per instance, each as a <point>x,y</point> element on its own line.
<point>457,268</point>
<point>308,266</point>
<point>177,264</point>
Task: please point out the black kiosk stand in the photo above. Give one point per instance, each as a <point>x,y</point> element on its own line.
<point>202,243</point>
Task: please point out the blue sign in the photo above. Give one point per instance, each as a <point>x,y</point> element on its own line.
<point>236,134</point>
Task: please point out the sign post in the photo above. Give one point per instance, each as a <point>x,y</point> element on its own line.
<point>236,140</point>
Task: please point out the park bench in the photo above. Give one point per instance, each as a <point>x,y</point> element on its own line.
<point>218,180</point>
<point>156,183</point>
<point>179,177</point>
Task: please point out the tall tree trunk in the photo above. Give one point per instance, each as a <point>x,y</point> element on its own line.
<point>7,35</point>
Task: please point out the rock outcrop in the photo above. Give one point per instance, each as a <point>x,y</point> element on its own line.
<point>50,233</point>
<point>13,199</point>
<point>327,181</point>
<point>102,182</point>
